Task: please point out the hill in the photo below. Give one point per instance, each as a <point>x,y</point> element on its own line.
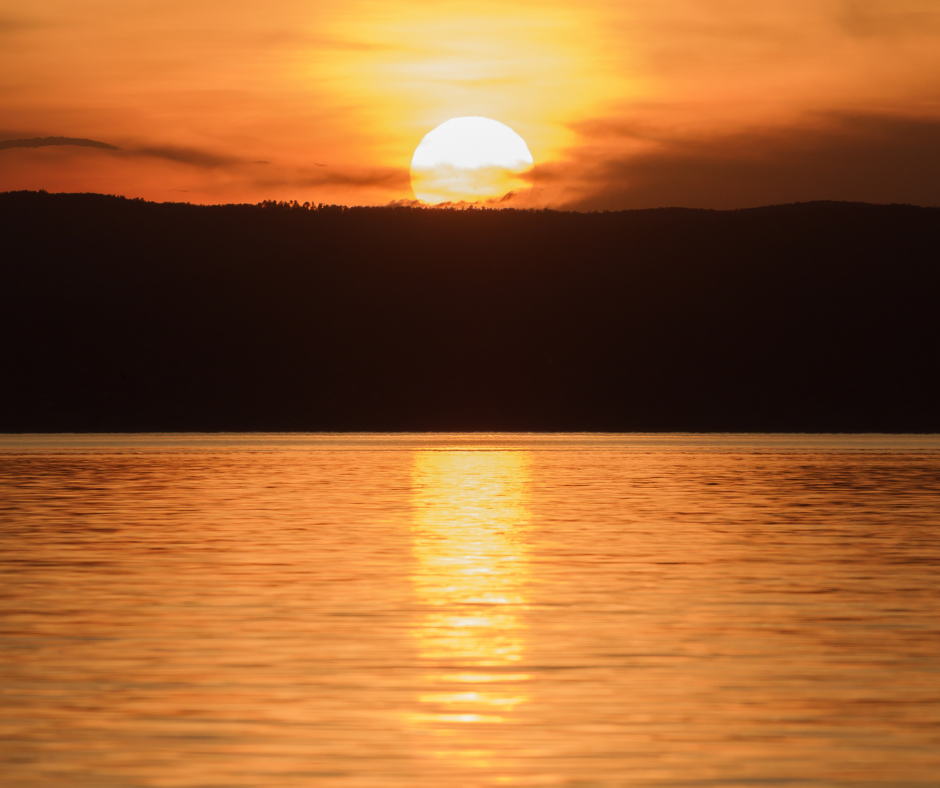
<point>123,315</point>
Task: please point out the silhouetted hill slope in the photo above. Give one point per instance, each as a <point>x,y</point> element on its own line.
<point>126,315</point>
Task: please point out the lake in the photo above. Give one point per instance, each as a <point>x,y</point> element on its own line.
<point>469,610</point>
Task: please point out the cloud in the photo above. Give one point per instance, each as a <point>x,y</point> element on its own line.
<point>181,155</point>
<point>192,156</point>
<point>10,25</point>
<point>245,170</point>
<point>382,177</point>
<point>320,42</point>
<point>323,183</point>
<point>899,18</point>
<point>42,142</point>
<point>853,157</point>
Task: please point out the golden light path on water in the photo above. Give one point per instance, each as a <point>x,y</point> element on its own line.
<point>428,611</point>
<point>470,579</point>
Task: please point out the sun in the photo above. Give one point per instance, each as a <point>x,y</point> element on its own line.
<point>471,160</point>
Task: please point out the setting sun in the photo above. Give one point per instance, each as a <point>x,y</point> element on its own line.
<point>470,159</point>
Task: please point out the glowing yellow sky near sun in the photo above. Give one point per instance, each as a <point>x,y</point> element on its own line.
<point>411,66</point>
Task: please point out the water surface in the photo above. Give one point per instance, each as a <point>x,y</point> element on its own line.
<point>469,610</point>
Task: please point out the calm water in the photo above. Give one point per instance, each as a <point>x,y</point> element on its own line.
<point>469,610</point>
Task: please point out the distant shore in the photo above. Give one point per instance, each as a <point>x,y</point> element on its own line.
<point>123,315</point>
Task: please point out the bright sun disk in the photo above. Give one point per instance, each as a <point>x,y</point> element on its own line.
<point>470,159</point>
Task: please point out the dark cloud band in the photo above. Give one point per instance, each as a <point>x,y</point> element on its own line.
<point>44,142</point>
<point>849,157</point>
<point>191,156</point>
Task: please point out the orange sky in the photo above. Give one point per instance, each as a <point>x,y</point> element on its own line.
<point>626,103</point>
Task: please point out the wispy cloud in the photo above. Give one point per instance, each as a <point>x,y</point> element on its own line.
<point>836,156</point>
<point>192,156</point>
<point>11,24</point>
<point>371,177</point>
<point>43,142</point>
<point>899,18</point>
<point>195,157</point>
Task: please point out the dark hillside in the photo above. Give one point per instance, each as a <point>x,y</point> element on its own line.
<point>125,315</point>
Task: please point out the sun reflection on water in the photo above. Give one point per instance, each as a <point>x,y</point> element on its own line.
<point>471,570</point>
